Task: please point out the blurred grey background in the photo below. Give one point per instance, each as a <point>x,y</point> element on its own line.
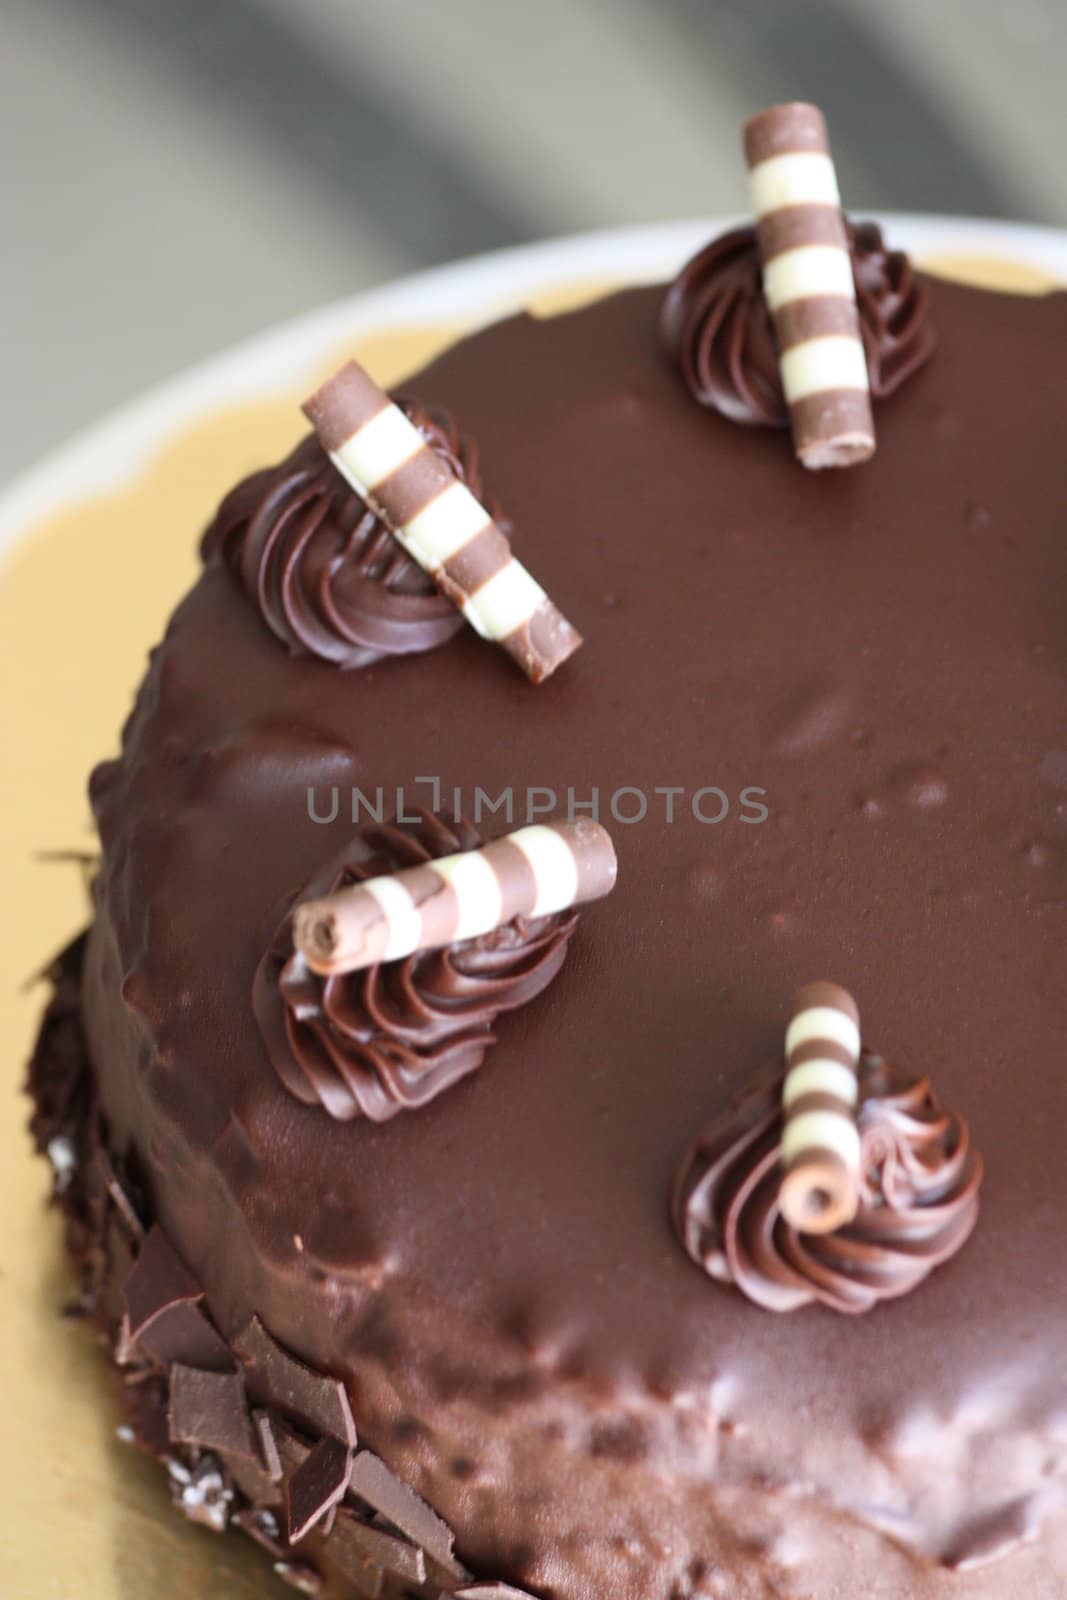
<point>180,173</point>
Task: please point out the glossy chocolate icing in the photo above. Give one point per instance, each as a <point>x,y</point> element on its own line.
<point>394,1036</point>
<point>717,327</point>
<point>496,1275</point>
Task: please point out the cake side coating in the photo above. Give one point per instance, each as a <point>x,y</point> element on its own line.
<point>495,1276</point>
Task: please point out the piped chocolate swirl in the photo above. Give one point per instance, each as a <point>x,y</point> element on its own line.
<point>393,1036</point>
<point>323,569</point>
<point>716,325</point>
<point>918,1203</point>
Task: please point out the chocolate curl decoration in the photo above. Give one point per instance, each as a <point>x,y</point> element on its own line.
<point>808,285</point>
<point>532,873</point>
<point>819,1191</point>
<point>716,326</point>
<point>390,1038</point>
<point>323,570</point>
<point>918,1201</point>
<point>438,521</point>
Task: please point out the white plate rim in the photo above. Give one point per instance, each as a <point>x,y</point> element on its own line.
<point>467,293</point>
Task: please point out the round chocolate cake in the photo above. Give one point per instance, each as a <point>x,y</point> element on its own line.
<point>454,1275</point>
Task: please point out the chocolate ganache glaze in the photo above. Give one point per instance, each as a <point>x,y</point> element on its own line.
<point>324,571</point>
<point>918,1199</point>
<point>394,1036</point>
<point>495,1277</point>
<point>717,326</point>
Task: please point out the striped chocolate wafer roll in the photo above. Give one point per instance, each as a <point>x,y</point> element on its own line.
<point>531,873</point>
<point>438,521</point>
<point>820,1142</point>
<point>808,285</point>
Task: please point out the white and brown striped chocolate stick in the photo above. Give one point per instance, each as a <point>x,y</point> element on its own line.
<point>808,285</point>
<point>438,521</point>
<point>820,1142</point>
<point>531,873</point>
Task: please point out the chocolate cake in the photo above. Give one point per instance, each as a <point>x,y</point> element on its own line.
<point>390,1260</point>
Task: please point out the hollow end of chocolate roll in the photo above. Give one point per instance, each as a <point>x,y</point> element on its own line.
<point>833,429</point>
<point>849,450</point>
<point>315,933</point>
<point>337,935</point>
<point>818,1193</point>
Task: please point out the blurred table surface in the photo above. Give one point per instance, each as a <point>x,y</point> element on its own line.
<point>180,173</point>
